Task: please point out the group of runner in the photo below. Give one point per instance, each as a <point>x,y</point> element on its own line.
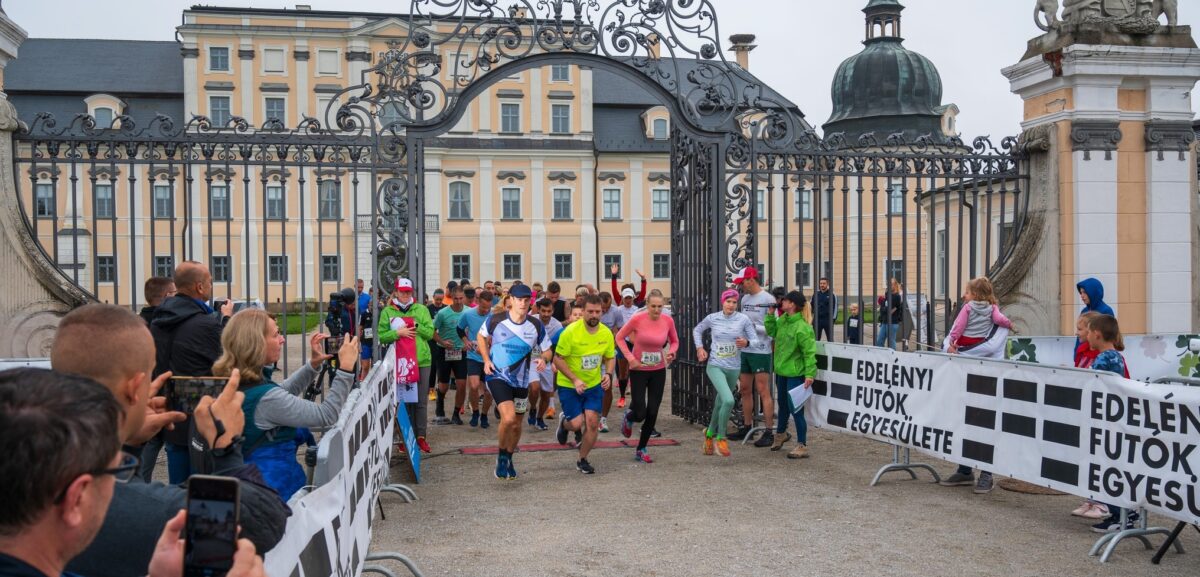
<point>510,356</point>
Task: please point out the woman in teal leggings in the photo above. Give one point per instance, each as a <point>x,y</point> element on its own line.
<point>730,332</point>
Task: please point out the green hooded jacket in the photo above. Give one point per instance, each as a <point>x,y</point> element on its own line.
<point>795,345</point>
<point>424,323</point>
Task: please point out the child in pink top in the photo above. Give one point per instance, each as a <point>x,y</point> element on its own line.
<point>655,344</point>
<point>979,315</point>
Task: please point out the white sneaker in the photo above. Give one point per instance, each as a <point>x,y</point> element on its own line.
<point>603,424</point>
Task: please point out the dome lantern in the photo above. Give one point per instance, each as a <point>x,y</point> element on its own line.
<point>883,19</point>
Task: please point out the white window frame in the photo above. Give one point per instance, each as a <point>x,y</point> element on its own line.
<point>760,205</point>
<point>804,197</point>
<point>608,265</point>
<point>113,258</point>
<point>450,202</point>
<point>504,266</point>
<point>337,188</point>
<point>887,274</point>
<point>262,69</point>
<point>570,264</point>
<point>941,248</point>
<point>112,199</point>
<point>453,272</point>
<point>228,204</point>
<point>267,215</point>
<point>229,56</point>
<point>337,264</point>
<point>154,213</point>
<point>287,273</point>
<point>895,189</point>
<point>827,204</point>
<point>555,68</point>
<point>654,264</point>
<point>50,200</point>
<point>519,127</point>
<point>267,116</point>
<point>570,113</point>
<point>604,203</point>
<point>554,203</point>
<point>654,204</point>
<point>229,101</point>
<point>520,209</point>
<point>228,265</point>
<point>337,62</point>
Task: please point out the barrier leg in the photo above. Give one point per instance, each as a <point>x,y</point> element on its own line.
<point>904,463</point>
<point>1110,541</point>
<point>405,493</point>
<point>386,556</point>
<point>1172,539</point>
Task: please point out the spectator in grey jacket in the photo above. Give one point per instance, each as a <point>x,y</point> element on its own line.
<point>251,342</point>
<point>111,345</point>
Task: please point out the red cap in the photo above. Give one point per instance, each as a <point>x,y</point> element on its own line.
<point>404,285</point>
<point>745,274</point>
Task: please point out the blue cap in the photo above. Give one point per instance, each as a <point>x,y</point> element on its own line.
<point>520,292</point>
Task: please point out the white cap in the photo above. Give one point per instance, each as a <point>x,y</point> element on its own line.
<point>404,285</point>
<point>628,292</point>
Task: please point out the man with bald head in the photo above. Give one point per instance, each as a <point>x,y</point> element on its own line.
<point>112,346</point>
<point>187,336</point>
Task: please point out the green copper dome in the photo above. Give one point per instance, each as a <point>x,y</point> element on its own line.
<point>886,88</point>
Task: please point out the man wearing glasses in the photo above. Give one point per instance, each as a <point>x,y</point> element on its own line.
<point>112,346</point>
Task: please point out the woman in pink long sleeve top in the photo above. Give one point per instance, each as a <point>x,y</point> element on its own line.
<point>655,344</point>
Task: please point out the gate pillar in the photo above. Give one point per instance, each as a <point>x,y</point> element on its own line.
<point>1119,100</point>
<point>34,295</point>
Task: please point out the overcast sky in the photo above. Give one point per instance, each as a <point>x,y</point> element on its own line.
<point>800,42</point>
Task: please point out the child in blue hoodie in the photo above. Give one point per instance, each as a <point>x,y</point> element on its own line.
<point>1091,291</point>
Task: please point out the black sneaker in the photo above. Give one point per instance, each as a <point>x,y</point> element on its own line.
<point>655,433</point>
<point>456,420</point>
<point>765,440</point>
<point>585,467</point>
<point>561,433</point>
<point>739,434</point>
<point>1113,523</point>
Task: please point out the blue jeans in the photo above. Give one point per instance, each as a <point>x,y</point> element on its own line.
<point>887,332</point>
<point>179,463</point>
<point>783,400</point>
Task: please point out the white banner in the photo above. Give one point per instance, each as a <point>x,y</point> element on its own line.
<point>329,531</point>
<point>1148,357</point>
<point>1091,434</point>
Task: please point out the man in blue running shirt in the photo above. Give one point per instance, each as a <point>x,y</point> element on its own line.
<point>506,344</point>
<point>468,330</point>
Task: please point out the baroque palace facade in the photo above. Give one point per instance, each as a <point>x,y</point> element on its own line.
<point>552,174</point>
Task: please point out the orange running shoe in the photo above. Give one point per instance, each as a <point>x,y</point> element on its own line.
<point>621,403</point>
<point>723,447</point>
<point>549,412</point>
<point>708,445</point>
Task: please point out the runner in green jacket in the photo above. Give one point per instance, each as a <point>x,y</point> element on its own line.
<point>795,366</point>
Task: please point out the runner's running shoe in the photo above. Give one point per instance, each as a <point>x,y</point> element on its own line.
<point>456,420</point>
<point>475,419</point>
<point>723,447</point>
<point>621,402</point>
<point>626,426</point>
<point>641,455</point>
<point>585,467</point>
<point>502,463</point>
<point>708,445</point>
<point>550,413</point>
<point>603,424</point>
<point>512,471</point>
<point>433,395</point>
<point>655,433</point>
<point>561,433</point>
<point>541,425</point>
<point>423,445</point>
<point>483,422</point>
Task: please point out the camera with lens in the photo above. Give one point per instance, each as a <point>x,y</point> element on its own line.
<point>338,316</point>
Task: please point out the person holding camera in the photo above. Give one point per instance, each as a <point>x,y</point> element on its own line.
<point>252,343</point>
<point>187,337</point>
<point>391,328</point>
<point>111,345</point>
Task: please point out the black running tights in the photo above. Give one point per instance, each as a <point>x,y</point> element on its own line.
<point>647,396</point>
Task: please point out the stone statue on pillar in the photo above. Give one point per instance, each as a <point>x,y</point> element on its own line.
<point>1108,22</point>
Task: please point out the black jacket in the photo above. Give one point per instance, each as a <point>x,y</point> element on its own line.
<point>825,303</point>
<point>147,314</point>
<point>187,341</point>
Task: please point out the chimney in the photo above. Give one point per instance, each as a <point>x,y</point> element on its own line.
<point>304,7</point>
<point>742,44</point>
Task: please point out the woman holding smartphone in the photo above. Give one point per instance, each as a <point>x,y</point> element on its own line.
<point>252,343</point>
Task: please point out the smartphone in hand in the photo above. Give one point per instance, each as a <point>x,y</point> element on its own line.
<point>332,345</point>
<point>184,393</point>
<point>213,515</point>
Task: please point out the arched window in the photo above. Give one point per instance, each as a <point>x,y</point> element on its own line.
<point>460,201</point>
<point>660,129</point>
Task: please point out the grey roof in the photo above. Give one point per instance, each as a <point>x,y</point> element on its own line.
<point>614,89</point>
<point>93,66</point>
<point>620,129</point>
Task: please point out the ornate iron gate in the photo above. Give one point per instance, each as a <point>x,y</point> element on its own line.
<point>738,159</point>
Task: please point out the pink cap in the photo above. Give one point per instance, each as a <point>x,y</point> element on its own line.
<point>729,294</point>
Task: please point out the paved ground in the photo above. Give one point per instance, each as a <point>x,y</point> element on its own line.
<point>755,513</point>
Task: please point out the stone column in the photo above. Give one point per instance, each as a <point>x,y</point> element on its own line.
<point>34,295</point>
<point>1122,125</point>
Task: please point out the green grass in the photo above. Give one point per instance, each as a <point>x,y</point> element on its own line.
<point>294,324</point>
<point>867,316</point>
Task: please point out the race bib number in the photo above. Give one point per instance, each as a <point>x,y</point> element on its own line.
<point>520,406</point>
<point>724,350</point>
<point>454,354</point>
<point>854,323</point>
<point>652,359</point>
<point>368,333</point>
<point>590,362</point>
